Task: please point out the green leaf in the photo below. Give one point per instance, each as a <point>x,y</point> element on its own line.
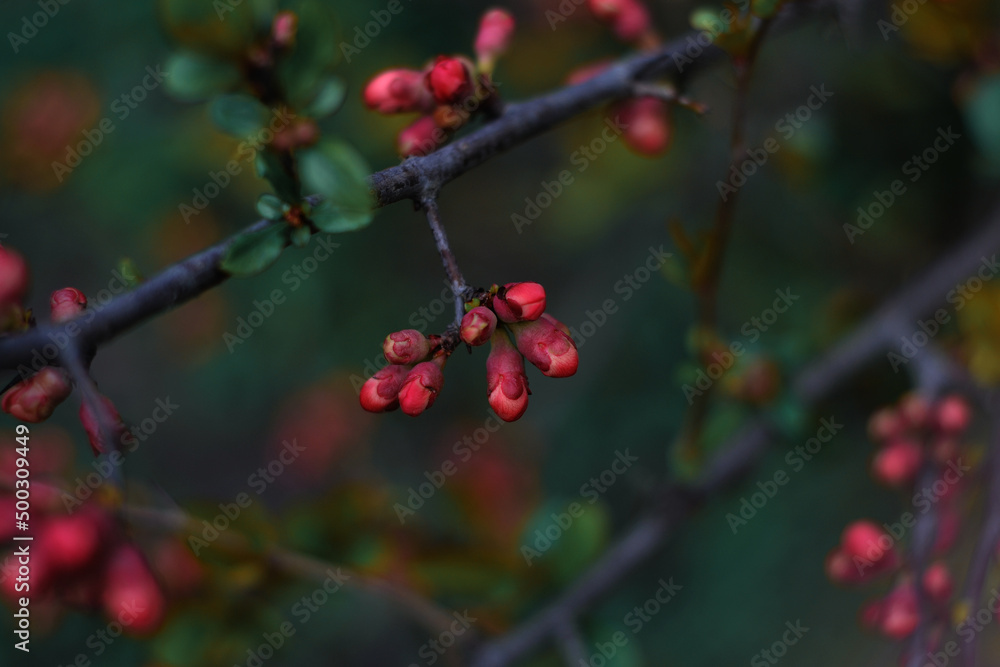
<point>193,77</point>
<point>328,100</point>
<point>239,115</point>
<point>301,236</point>
<point>339,173</point>
<point>269,167</point>
<point>252,252</point>
<point>271,207</point>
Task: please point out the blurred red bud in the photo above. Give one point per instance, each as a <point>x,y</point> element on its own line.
<point>13,276</point>
<point>92,425</point>
<point>421,137</point>
<point>398,91</point>
<point>478,325</point>
<point>380,393</point>
<point>131,595</point>
<point>953,414</point>
<point>420,388</point>
<point>506,383</point>
<point>67,303</point>
<point>34,399</point>
<point>495,31</point>
<point>897,464</point>
<point>405,347</point>
<point>900,615</point>
<point>884,424</point>
<point>633,23</point>
<point>869,547</point>
<point>646,125</point>
<point>283,28</point>
<point>938,583</point>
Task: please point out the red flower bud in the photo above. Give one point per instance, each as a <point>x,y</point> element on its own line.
<point>506,383</point>
<point>607,10</point>
<point>646,125</point>
<point>67,303</point>
<point>495,31</point>
<point>92,425</point>
<point>420,388</point>
<point>283,28</point>
<point>517,302</point>
<point>13,277</point>
<point>449,80</point>
<point>405,347</point>
<point>869,547</point>
<point>898,462</point>
<point>397,91</point>
<point>840,568</point>
<point>953,414</point>
<point>478,325</point>
<point>71,542</point>
<point>885,424</point>
<point>423,136</point>
<point>915,409</point>
<point>380,393</point>
<point>546,344</point>
<point>633,23</point>
<point>938,583</point>
<point>628,18</point>
<point>131,595</point>
<point>900,615</point>
<point>34,399</point>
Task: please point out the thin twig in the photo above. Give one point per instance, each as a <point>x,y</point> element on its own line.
<point>708,270</point>
<point>458,286</point>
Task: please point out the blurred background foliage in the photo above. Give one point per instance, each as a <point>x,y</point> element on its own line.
<point>292,378</point>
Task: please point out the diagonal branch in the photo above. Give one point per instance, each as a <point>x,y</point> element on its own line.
<point>410,180</point>
<point>815,382</point>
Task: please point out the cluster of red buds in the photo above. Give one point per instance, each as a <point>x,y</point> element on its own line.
<point>911,435</point>
<point>629,19</point>
<point>36,397</point>
<point>512,319</point>
<point>446,92</point>
<point>913,432</point>
<point>645,122</point>
<point>81,560</point>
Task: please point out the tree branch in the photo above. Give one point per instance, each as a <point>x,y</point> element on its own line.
<point>676,502</point>
<point>412,179</point>
<point>458,286</point>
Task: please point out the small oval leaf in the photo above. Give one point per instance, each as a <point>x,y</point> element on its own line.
<point>239,115</point>
<point>339,173</point>
<point>271,207</point>
<point>194,77</point>
<point>328,100</point>
<point>252,252</point>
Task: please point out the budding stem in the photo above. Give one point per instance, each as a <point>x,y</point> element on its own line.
<point>458,286</point>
